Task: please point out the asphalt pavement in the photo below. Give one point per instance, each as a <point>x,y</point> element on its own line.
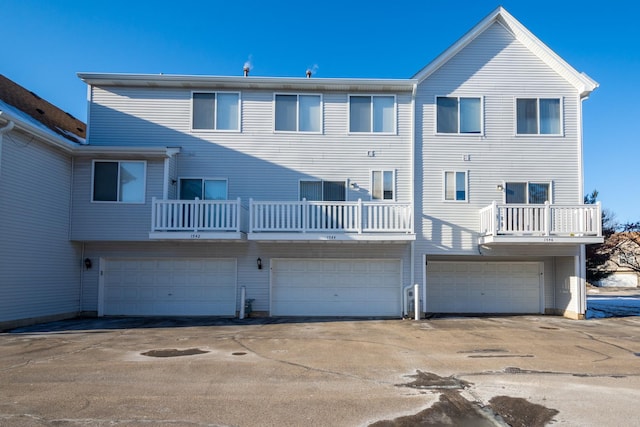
<point>512,370</point>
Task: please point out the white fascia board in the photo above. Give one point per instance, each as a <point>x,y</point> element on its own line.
<point>583,83</point>
<point>40,131</point>
<point>277,83</point>
<point>126,152</point>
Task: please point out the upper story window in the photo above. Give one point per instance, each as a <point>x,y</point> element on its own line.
<point>372,114</point>
<point>527,192</point>
<point>298,113</point>
<point>203,189</point>
<point>455,186</point>
<point>459,115</point>
<point>216,111</point>
<point>538,116</point>
<point>382,185</point>
<point>119,181</point>
<point>327,191</point>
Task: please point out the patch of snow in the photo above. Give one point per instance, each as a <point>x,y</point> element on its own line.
<point>601,306</point>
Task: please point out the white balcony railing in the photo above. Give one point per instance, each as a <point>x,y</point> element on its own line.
<point>349,217</point>
<point>541,220</point>
<point>196,215</point>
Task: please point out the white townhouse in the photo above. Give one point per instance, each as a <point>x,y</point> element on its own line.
<point>209,195</point>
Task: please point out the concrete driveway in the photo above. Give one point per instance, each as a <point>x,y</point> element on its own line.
<point>528,370</point>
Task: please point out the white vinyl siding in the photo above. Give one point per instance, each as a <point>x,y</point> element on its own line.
<point>113,220</point>
<point>39,265</point>
<point>498,154</point>
<point>258,162</point>
<point>216,111</point>
<point>372,114</point>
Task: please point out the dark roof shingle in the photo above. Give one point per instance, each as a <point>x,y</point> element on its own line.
<point>46,113</point>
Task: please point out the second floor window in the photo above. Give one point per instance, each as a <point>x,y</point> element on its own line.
<point>538,116</point>
<point>455,186</point>
<point>216,111</point>
<point>298,113</point>
<point>372,114</point>
<point>382,185</point>
<point>119,181</point>
<point>325,191</point>
<point>459,115</point>
<point>203,189</point>
<point>527,192</point>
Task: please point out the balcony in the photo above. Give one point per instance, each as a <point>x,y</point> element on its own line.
<point>196,220</point>
<point>331,221</point>
<point>544,224</point>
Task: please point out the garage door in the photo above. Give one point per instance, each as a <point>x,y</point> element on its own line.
<point>171,287</point>
<point>484,287</point>
<point>334,287</point>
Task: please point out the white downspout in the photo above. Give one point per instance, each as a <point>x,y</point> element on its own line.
<point>243,299</point>
<point>6,128</point>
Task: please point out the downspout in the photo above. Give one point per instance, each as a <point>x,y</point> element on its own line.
<point>581,268</point>
<point>412,184</point>
<point>6,128</point>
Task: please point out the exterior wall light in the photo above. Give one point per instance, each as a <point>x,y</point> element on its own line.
<point>259,261</point>
<point>500,187</point>
<point>87,263</point>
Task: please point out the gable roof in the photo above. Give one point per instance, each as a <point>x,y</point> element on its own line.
<point>40,110</point>
<point>583,83</point>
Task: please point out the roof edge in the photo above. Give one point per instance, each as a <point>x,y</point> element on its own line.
<point>185,80</point>
<point>46,135</point>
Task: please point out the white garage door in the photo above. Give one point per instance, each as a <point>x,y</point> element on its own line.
<point>484,287</point>
<point>331,287</point>
<point>169,287</point>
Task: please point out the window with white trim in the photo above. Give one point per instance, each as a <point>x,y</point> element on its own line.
<point>298,113</point>
<point>203,189</point>
<point>326,191</point>
<point>458,115</point>
<point>527,192</point>
<point>538,116</point>
<point>382,185</point>
<point>118,181</point>
<point>215,111</point>
<point>372,114</point>
<point>455,186</point>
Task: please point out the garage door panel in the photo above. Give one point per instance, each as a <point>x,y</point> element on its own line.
<point>170,287</point>
<point>484,287</point>
<point>335,287</point>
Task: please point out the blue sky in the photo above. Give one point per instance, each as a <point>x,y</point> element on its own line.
<point>45,43</point>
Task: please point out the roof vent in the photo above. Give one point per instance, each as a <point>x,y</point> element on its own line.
<point>309,72</point>
<point>39,111</point>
